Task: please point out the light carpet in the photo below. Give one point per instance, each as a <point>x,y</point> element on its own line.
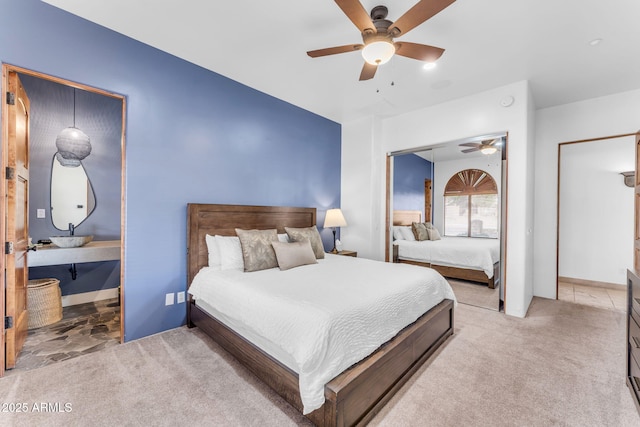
<point>563,365</point>
<point>478,294</point>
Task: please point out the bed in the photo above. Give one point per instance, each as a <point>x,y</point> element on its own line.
<point>355,395</point>
<point>465,258</point>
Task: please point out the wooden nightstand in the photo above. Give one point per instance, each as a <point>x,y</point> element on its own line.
<point>348,253</point>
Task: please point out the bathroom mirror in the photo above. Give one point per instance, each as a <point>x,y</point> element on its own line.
<point>72,196</point>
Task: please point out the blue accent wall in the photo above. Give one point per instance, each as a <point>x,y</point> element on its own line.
<point>409,173</point>
<point>191,136</point>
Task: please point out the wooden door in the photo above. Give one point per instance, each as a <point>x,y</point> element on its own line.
<point>16,219</point>
<point>427,200</point>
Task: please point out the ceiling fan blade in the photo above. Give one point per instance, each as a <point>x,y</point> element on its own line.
<point>357,13</point>
<point>470,150</point>
<point>492,142</point>
<point>415,16</point>
<point>368,71</point>
<point>421,52</point>
<point>334,50</point>
<point>469,144</point>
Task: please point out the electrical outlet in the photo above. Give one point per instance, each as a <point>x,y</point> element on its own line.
<point>180,297</point>
<point>40,213</point>
<point>168,300</point>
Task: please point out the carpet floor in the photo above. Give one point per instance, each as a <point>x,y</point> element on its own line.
<point>478,294</point>
<point>563,365</point>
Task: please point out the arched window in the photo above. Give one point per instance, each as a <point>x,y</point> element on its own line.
<point>471,205</point>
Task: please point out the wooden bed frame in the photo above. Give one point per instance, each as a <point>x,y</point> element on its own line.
<point>356,395</point>
<point>406,218</point>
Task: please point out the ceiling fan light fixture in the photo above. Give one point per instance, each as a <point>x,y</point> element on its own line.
<point>488,150</point>
<point>378,52</point>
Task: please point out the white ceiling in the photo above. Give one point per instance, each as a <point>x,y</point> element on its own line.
<point>489,43</point>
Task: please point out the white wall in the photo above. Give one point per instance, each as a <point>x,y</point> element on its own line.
<point>599,117</point>
<point>596,210</point>
<point>360,192</point>
<point>444,170</point>
<point>363,189</point>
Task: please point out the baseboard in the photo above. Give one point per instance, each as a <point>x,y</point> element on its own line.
<point>590,283</point>
<point>86,297</point>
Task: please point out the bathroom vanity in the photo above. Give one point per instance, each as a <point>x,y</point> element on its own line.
<point>105,250</point>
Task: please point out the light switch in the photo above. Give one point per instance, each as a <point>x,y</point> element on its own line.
<point>40,213</point>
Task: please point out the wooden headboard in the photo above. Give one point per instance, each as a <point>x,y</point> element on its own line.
<point>203,219</point>
<point>406,217</point>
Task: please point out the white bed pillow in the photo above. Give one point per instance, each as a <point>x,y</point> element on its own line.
<point>283,237</point>
<point>397,232</point>
<point>407,233</point>
<point>214,252</point>
<point>230,253</point>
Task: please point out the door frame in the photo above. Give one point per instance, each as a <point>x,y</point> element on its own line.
<point>636,202</point>
<point>6,68</point>
<point>558,201</point>
<point>428,199</point>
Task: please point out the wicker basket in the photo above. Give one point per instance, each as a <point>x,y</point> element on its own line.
<point>44,302</point>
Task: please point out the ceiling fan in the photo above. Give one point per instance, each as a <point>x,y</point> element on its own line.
<point>378,34</point>
<point>487,146</point>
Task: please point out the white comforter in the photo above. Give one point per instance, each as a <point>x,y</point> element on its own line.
<point>321,318</point>
<point>462,252</point>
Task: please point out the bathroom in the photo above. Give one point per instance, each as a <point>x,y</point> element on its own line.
<point>89,290</point>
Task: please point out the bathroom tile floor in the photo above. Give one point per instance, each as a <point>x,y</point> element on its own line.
<point>596,296</point>
<point>84,329</point>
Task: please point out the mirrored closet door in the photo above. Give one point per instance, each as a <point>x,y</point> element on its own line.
<point>446,208</point>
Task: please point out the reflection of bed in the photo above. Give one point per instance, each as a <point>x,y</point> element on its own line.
<point>471,259</point>
<point>358,393</point>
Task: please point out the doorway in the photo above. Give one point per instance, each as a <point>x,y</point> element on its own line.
<point>592,196</point>
<point>58,104</point>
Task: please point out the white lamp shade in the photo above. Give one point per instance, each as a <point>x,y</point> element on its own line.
<point>378,53</point>
<point>334,218</point>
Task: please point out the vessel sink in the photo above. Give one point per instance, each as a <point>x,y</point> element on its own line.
<point>70,241</point>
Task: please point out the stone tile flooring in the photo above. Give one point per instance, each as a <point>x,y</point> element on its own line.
<point>596,296</point>
<point>84,329</point>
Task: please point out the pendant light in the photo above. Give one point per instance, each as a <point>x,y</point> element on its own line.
<point>73,145</point>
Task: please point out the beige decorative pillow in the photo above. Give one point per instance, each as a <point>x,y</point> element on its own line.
<point>428,225</point>
<point>419,231</point>
<point>290,255</point>
<point>257,251</point>
<point>434,234</point>
<point>308,233</point>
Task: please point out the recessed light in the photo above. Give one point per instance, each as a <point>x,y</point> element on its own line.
<point>429,66</point>
<point>595,42</point>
